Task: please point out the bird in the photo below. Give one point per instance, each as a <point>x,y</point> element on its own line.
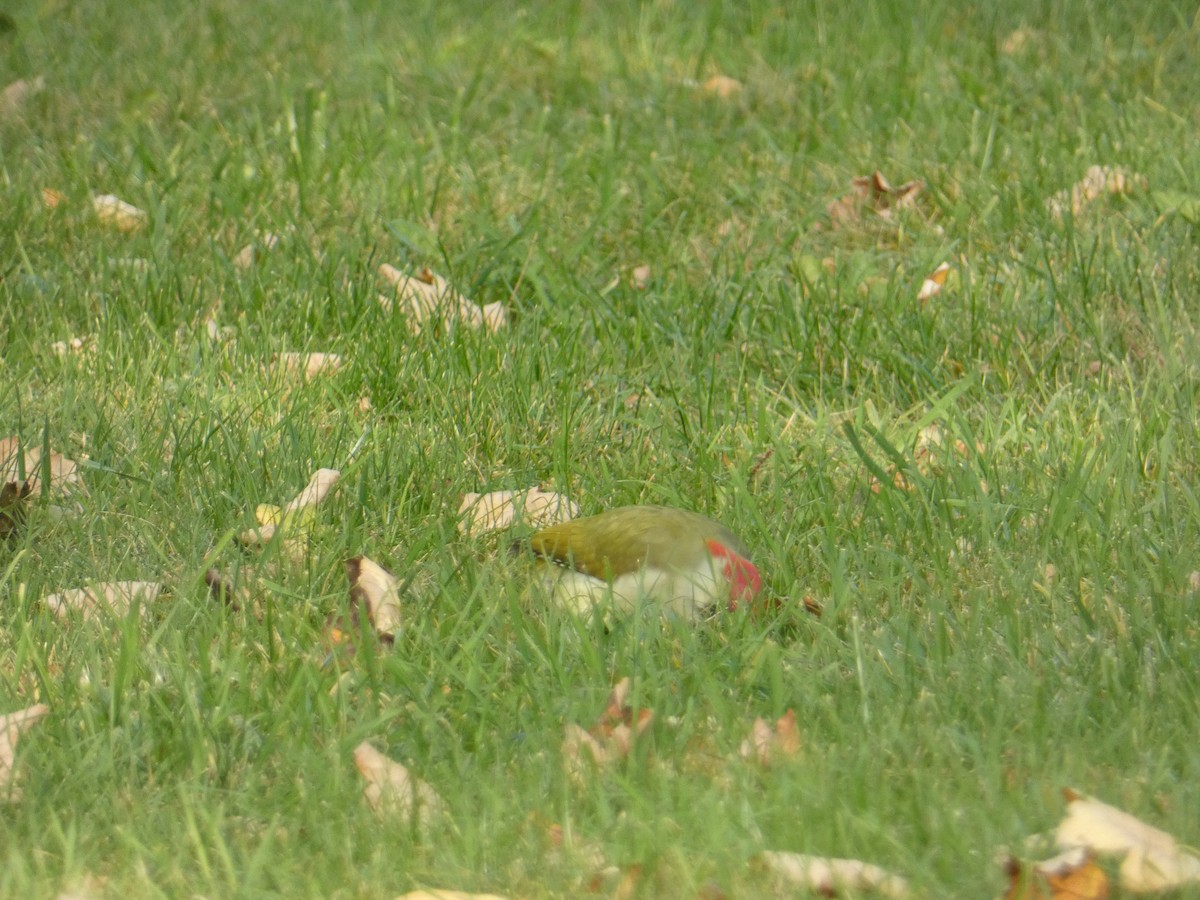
<point>683,562</point>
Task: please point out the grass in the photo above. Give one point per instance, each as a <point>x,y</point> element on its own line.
<point>773,366</point>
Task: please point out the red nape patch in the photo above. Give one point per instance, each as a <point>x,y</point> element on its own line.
<point>744,580</point>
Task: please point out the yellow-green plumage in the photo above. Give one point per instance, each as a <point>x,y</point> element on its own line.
<point>623,540</point>
<point>637,553</point>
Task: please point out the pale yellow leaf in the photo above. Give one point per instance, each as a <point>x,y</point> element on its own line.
<point>722,86</point>
<point>308,364</point>
<point>18,93</point>
<point>1153,860</point>
<point>12,726</point>
<point>481,513</point>
<point>1097,182</point>
<point>315,491</point>
<point>116,213</point>
<point>64,473</point>
<point>424,297</point>
<point>113,597</point>
<point>372,584</point>
<point>392,789</point>
<point>933,283</point>
<point>829,876</point>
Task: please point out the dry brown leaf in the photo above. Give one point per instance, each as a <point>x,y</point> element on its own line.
<point>225,591</point>
<point>14,505</point>
<point>933,283</point>
<point>18,93</point>
<point>64,473</point>
<point>1153,860</point>
<point>876,193</point>
<point>1069,876</point>
<point>425,298</point>
<point>375,588</point>
<point>116,213</point>
<point>12,726</point>
<point>610,740</point>
<point>481,513</point>
<point>435,894</point>
<point>393,790</point>
<point>112,597</point>
<point>829,876</point>
<point>1097,182</point>
<point>722,86</point>
<point>639,277</point>
<point>768,743</point>
<point>52,199</point>
<point>308,364</point>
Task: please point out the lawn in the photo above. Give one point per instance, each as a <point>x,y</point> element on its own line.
<point>975,509</point>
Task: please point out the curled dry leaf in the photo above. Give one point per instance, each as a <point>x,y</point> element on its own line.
<point>12,726</point>
<point>934,282</point>
<point>393,790</point>
<point>873,192</point>
<point>768,743</point>
<point>64,473</point>
<point>425,297</point>
<point>722,86</point>
<point>481,513</point>
<point>116,213</point>
<point>375,588</point>
<point>18,93</point>
<point>113,597</point>
<point>610,740</point>
<point>308,364</point>
<point>1097,182</point>
<point>14,505</point>
<point>1153,860</point>
<point>1069,876</point>
<point>296,515</point>
<point>829,876</point>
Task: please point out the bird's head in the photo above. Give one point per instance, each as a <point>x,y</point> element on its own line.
<point>744,580</point>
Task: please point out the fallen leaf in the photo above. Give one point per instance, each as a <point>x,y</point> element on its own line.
<point>296,516</point>
<point>14,506</point>
<point>64,473</point>
<point>393,790</point>
<point>873,192</point>
<point>375,588</point>
<point>768,743</point>
<point>225,591</point>
<point>1097,182</point>
<point>640,277</point>
<point>74,346</point>
<point>308,364</point>
<point>52,199</point>
<point>722,86</point>
<point>1186,206</point>
<point>425,297</point>
<point>933,283</point>
<point>12,726</point>
<point>481,513</point>
<point>1069,876</point>
<point>246,257</point>
<point>17,94</point>
<point>1153,860</point>
<point>610,740</point>
<point>828,876</point>
<point>116,213</point>
<point>113,597</point>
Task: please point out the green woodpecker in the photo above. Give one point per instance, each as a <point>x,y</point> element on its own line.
<point>681,561</point>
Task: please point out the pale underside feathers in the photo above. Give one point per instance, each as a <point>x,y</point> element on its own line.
<point>643,554</point>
